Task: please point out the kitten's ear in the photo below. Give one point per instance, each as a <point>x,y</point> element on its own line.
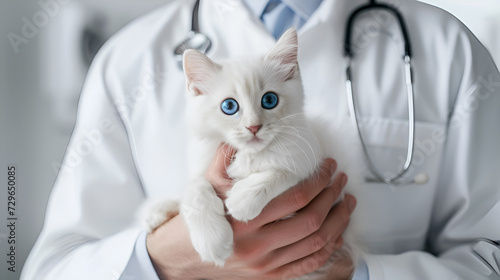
<point>198,69</point>
<point>285,52</point>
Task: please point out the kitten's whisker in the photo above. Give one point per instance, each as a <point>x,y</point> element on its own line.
<point>289,156</point>
<point>306,141</point>
<point>290,116</point>
<point>302,128</point>
<point>297,128</point>
<point>300,131</point>
<point>283,151</point>
<point>226,166</point>
<point>302,150</point>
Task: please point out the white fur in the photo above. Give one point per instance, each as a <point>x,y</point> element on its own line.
<point>155,213</point>
<point>289,149</point>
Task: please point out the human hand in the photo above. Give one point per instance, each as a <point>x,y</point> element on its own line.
<point>267,247</point>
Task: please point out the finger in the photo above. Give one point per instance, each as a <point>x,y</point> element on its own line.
<point>325,242</point>
<point>303,248</point>
<point>223,158</point>
<point>337,221</point>
<point>317,246</point>
<point>307,221</point>
<point>216,173</point>
<point>302,266</point>
<point>297,197</point>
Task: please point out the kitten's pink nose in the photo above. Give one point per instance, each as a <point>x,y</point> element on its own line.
<point>254,128</point>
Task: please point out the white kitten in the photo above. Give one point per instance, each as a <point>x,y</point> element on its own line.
<point>256,106</point>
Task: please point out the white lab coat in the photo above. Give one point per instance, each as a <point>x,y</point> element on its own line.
<point>129,140</point>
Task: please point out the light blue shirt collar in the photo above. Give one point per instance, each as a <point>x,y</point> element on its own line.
<point>302,8</point>
<point>256,6</point>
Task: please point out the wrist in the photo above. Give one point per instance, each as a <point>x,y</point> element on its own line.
<point>154,248</point>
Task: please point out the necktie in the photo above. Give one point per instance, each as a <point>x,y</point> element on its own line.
<point>278,17</point>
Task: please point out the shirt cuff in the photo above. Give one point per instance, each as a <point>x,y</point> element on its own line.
<point>361,272</point>
<point>140,266</point>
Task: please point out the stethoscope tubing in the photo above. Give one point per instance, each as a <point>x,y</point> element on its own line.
<point>349,54</point>
<point>395,180</point>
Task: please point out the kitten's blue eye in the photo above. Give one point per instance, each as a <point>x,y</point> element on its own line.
<point>229,106</point>
<point>269,100</point>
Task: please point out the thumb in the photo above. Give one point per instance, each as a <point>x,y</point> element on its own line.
<point>223,158</point>
<point>216,173</point>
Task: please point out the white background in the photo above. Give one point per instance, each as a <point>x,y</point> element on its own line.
<point>40,84</point>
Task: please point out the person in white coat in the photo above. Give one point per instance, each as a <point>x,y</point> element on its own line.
<point>129,145</point>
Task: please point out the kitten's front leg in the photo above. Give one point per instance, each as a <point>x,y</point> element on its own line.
<point>204,214</point>
<point>154,215</point>
<point>249,196</point>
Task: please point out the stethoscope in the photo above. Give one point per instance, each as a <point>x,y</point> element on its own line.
<point>201,42</point>
<point>395,180</point>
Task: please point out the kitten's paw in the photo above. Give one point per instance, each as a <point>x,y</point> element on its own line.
<point>245,203</point>
<point>157,214</point>
<point>205,217</point>
<point>213,240</point>
<point>214,244</point>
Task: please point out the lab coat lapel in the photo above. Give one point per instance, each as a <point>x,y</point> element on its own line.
<point>321,58</point>
<point>321,62</point>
